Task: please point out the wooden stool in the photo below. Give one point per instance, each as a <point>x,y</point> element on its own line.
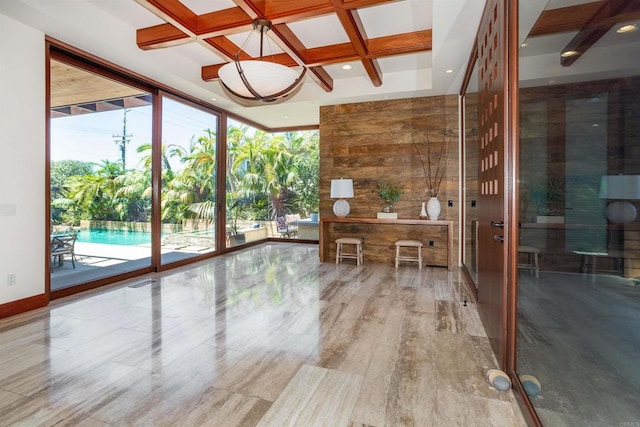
<point>340,255</point>
<point>407,243</point>
<point>532,255</point>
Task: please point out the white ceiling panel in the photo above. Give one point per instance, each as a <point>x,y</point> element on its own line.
<point>250,43</point>
<point>322,31</point>
<point>396,18</point>
<point>200,7</point>
<point>393,64</point>
<point>337,72</point>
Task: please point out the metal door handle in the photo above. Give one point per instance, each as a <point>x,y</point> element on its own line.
<point>498,238</point>
<point>497,224</point>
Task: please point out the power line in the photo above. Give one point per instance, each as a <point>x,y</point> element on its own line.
<point>122,140</point>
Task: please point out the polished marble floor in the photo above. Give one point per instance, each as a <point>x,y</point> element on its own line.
<point>579,334</point>
<point>266,336</point>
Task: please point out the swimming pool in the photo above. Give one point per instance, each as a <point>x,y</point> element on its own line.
<point>114,237</point>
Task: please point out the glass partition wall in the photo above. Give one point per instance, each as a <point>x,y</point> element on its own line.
<point>578,309</point>
<point>471,176</point>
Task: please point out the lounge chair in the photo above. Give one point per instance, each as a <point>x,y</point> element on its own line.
<point>283,228</point>
<point>64,244</point>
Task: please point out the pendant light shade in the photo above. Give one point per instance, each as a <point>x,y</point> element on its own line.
<point>255,82</point>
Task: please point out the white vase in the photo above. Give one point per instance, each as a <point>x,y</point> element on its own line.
<point>433,208</point>
<point>423,211</point>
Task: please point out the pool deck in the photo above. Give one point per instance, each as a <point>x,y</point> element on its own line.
<point>97,260</point>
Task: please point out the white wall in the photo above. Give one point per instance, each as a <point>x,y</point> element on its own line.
<point>22,160</point>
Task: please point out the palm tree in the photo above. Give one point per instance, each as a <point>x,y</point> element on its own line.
<point>95,194</point>
<point>191,192</point>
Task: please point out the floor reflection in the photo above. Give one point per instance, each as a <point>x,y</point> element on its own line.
<point>263,336</point>
<point>579,334</point>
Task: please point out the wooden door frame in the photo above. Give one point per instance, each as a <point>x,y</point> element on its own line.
<point>512,204</point>
<point>507,355</point>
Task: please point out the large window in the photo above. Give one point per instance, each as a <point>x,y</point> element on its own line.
<point>272,185</point>
<point>188,200</point>
<point>104,148</point>
<point>100,178</point>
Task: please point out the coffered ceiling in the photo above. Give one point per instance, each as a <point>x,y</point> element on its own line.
<point>395,48</point>
<point>354,50</point>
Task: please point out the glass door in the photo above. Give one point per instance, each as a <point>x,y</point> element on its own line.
<point>188,191</point>
<point>578,299</point>
<point>100,180</point>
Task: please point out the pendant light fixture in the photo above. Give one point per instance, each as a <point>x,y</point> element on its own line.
<point>259,82</point>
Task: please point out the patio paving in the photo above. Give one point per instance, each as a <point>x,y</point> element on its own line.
<point>96,260</point>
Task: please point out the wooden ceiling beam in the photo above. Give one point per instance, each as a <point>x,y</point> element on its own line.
<point>326,55</point>
<point>352,25</point>
<point>209,73</point>
<point>322,78</point>
<point>161,36</point>
<point>564,19</point>
<point>285,12</point>
<point>574,18</point>
<point>253,8</point>
<point>400,44</point>
<point>174,12</point>
<point>599,24</point>
<point>333,54</point>
<point>357,4</point>
<point>226,49</point>
<point>224,22</point>
<point>292,45</point>
<point>210,29</point>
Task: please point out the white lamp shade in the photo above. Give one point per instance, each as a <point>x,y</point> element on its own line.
<point>621,187</point>
<point>341,188</point>
<point>266,78</point>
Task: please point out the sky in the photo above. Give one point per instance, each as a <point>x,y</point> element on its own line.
<point>90,137</point>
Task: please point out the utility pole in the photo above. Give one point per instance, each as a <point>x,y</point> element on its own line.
<point>122,140</point>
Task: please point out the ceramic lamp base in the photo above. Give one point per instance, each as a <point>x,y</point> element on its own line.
<point>341,208</point>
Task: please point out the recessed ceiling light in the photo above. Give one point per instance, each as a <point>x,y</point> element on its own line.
<point>214,99</point>
<point>595,125</point>
<point>449,71</point>
<point>552,81</point>
<point>346,67</point>
<point>627,28</point>
<point>569,53</point>
<point>286,117</point>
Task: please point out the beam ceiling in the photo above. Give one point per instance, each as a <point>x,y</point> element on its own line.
<point>214,28</point>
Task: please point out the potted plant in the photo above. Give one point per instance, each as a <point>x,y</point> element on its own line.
<point>390,193</point>
<point>235,207</point>
<point>548,196</point>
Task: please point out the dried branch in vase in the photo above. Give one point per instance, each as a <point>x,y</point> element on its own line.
<point>434,169</point>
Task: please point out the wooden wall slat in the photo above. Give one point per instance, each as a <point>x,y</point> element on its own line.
<point>370,141</point>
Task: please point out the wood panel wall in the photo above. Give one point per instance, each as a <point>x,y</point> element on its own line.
<point>374,141</point>
<point>544,121</point>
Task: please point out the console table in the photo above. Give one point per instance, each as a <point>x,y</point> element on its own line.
<point>382,233</point>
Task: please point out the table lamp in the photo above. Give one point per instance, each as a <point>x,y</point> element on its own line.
<point>620,188</point>
<point>341,189</point>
